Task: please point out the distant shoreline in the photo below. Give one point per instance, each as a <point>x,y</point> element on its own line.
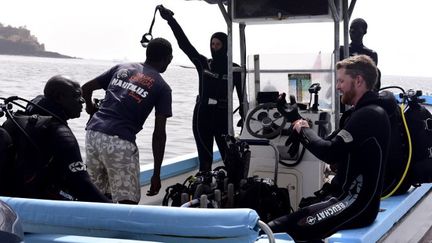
<point>47,55</point>
<point>17,49</point>
<point>20,42</point>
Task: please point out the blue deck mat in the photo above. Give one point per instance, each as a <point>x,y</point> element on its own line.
<point>393,209</point>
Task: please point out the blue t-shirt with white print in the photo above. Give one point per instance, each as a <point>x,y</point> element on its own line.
<point>132,90</point>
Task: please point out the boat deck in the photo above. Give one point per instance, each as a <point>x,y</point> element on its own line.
<point>392,223</point>
<point>416,226</point>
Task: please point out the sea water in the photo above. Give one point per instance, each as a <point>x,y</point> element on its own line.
<point>26,77</point>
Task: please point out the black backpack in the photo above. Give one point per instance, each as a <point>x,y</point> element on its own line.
<point>265,197</point>
<point>399,175</point>
<point>29,154</point>
<point>27,163</point>
<point>419,121</point>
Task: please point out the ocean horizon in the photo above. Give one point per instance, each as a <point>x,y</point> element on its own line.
<point>26,76</point>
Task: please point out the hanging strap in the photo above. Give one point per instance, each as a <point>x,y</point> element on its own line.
<point>147,37</point>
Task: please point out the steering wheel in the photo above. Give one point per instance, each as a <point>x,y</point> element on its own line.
<point>265,121</point>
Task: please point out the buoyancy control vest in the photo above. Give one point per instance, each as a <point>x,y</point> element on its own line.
<point>28,153</point>
<point>419,121</point>
<point>410,158</point>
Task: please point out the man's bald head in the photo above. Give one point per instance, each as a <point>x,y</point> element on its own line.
<point>65,92</point>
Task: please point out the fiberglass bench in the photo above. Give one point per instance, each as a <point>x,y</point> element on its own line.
<point>392,210</point>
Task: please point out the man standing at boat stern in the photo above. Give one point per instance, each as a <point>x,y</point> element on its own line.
<point>357,31</point>
<point>359,148</point>
<point>132,91</point>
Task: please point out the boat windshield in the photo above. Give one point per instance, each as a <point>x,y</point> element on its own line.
<point>292,74</point>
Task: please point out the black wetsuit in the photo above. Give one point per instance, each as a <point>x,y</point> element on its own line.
<point>359,50</point>
<point>360,150</point>
<point>210,117</point>
<point>55,170</point>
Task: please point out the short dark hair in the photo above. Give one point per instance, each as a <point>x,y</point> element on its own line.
<point>58,84</point>
<point>158,49</point>
<point>360,65</point>
<point>361,22</point>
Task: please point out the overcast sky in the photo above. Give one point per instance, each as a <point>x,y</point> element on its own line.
<point>108,29</point>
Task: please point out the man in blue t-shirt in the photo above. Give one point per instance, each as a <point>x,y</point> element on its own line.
<point>132,90</point>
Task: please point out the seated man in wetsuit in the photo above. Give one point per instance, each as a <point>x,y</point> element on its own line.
<point>358,29</point>
<point>48,163</point>
<point>359,148</point>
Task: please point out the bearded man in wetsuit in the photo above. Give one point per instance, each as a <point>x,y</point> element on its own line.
<point>359,148</point>
<point>210,116</point>
<point>56,169</point>
<point>358,29</point>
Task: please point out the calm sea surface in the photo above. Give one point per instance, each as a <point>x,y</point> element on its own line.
<point>26,77</point>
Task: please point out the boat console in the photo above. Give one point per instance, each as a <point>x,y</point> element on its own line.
<point>307,80</point>
<point>294,168</point>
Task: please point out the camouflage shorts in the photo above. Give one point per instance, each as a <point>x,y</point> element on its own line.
<point>113,165</point>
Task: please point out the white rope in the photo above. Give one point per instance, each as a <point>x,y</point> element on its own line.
<point>267,230</point>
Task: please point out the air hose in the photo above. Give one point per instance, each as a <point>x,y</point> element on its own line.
<point>402,107</point>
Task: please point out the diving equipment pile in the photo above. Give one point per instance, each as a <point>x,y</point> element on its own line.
<point>229,187</point>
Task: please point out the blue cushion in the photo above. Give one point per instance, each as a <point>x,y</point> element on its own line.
<point>133,221</point>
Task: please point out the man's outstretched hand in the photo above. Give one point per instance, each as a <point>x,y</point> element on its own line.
<point>164,12</point>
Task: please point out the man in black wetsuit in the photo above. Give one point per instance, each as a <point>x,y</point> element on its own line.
<point>49,165</point>
<point>358,29</point>
<point>210,117</point>
<point>359,148</point>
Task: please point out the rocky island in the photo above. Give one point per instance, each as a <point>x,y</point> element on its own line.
<point>19,41</point>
